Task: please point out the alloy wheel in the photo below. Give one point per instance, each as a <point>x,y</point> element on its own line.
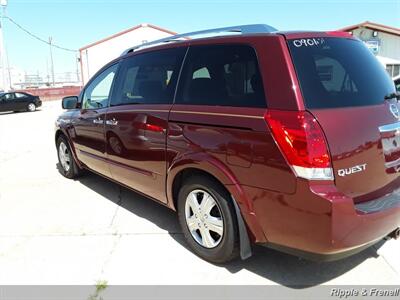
<point>64,156</point>
<point>204,218</point>
<point>31,107</point>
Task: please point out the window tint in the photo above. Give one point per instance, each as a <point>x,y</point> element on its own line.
<point>149,78</point>
<point>9,96</point>
<point>20,95</point>
<point>337,72</point>
<point>98,91</point>
<point>225,75</point>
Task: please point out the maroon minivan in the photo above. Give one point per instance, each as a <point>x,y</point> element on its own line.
<point>254,136</point>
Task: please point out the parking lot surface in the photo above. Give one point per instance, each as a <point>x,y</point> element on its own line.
<point>59,231</point>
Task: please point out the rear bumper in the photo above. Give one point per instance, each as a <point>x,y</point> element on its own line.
<point>320,257</point>
<point>319,222</point>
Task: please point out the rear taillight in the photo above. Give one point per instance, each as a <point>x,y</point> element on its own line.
<point>303,143</point>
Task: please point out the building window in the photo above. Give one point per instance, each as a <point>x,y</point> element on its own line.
<point>393,70</point>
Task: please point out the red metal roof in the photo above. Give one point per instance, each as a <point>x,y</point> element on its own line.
<point>126,31</point>
<point>375,26</point>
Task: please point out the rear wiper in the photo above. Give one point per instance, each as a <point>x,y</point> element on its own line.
<point>393,95</point>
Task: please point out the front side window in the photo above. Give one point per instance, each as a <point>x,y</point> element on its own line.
<point>9,97</point>
<point>337,72</point>
<point>149,78</point>
<point>97,93</point>
<point>221,75</point>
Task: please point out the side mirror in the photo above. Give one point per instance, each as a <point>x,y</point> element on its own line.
<point>70,102</point>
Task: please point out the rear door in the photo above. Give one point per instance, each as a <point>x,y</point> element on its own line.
<point>218,114</point>
<point>22,100</point>
<point>89,122</point>
<point>344,87</point>
<point>137,120</point>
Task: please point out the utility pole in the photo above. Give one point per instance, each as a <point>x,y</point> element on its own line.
<point>6,87</point>
<point>9,71</point>
<point>47,72</point>
<point>51,60</point>
<point>77,60</point>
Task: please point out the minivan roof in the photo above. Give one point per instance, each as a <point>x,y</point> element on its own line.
<point>241,29</point>
<point>233,37</point>
<point>238,31</point>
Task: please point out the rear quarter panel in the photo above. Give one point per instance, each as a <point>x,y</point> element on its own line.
<point>234,144</point>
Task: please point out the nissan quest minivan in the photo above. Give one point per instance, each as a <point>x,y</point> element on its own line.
<point>254,136</point>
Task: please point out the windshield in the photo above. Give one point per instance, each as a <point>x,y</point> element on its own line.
<point>338,72</point>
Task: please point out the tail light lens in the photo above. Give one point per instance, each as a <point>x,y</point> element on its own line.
<point>302,141</point>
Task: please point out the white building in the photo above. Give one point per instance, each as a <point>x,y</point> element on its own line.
<point>96,55</point>
<point>17,77</point>
<point>382,40</point>
<point>13,78</point>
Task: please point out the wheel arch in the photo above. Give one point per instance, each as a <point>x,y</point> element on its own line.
<point>62,132</point>
<point>202,164</point>
<point>59,132</point>
<point>183,175</point>
<point>199,164</point>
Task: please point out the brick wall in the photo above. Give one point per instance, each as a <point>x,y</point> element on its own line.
<point>54,93</point>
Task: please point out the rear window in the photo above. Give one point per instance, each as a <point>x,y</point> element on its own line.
<point>337,72</point>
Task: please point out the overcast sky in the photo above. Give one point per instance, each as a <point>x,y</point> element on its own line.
<point>74,24</point>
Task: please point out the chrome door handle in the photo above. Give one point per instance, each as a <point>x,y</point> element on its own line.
<point>112,122</point>
<point>98,121</point>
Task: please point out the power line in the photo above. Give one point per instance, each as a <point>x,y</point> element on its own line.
<point>38,38</point>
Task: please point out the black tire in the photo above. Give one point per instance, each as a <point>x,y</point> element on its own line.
<point>73,171</point>
<point>228,247</point>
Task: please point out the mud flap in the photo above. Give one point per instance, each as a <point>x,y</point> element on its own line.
<point>245,247</point>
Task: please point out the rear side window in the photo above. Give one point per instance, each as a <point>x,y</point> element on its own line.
<point>20,95</point>
<point>224,75</point>
<point>337,72</point>
<point>148,78</point>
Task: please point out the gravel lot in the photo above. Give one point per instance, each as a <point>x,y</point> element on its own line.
<point>59,231</point>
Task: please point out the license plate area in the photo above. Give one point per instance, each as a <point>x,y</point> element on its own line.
<point>390,138</point>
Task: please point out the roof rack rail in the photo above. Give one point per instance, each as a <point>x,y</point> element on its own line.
<point>243,29</point>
